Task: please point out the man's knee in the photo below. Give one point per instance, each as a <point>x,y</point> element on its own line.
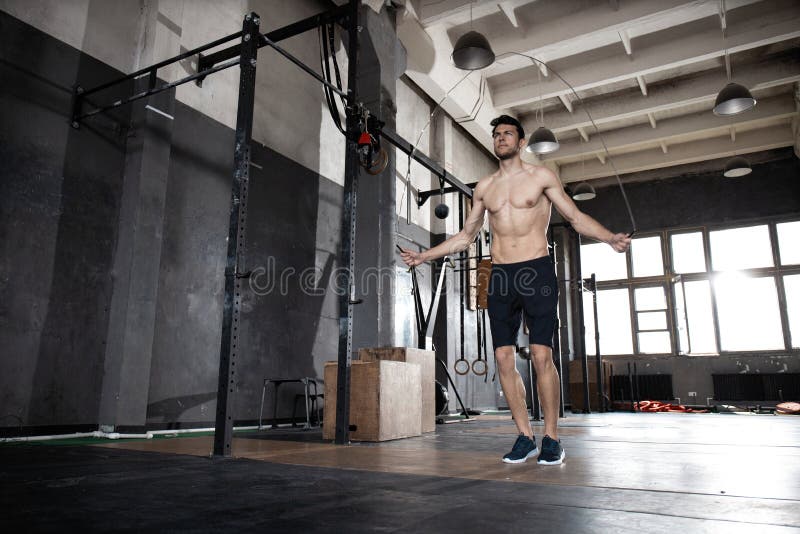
<point>506,358</point>
<point>542,357</point>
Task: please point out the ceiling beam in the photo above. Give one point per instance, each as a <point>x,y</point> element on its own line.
<point>626,41</point>
<point>702,88</point>
<point>672,53</point>
<point>679,129</point>
<point>719,147</point>
<point>570,27</point>
<point>433,72</point>
<point>456,12</point>
<point>642,85</point>
<point>508,9</point>
<point>566,101</point>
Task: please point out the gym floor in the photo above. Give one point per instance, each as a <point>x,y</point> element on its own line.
<point>623,473</point>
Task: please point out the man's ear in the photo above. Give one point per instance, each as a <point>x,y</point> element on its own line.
<point>522,143</point>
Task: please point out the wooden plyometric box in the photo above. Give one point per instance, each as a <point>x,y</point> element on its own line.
<point>380,406</point>
<point>576,390</point>
<point>426,359</point>
<point>576,370</point>
<point>576,397</point>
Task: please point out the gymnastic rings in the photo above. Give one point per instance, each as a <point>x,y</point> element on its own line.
<point>461,366</point>
<point>479,366</point>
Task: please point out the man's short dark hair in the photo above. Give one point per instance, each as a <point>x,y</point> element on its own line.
<point>507,119</point>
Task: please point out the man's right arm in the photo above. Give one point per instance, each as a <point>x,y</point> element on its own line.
<point>457,242</point>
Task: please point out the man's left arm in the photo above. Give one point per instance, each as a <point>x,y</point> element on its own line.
<point>581,222</point>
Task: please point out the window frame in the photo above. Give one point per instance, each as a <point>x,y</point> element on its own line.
<point>669,279</point>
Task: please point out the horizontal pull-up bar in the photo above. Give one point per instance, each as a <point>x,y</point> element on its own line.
<point>300,64</point>
<point>296,28</point>
<point>408,148</point>
<point>423,196</point>
<point>164,63</point>
<point>151,92</point>
<point>210,64</point>
<point>207,64</point>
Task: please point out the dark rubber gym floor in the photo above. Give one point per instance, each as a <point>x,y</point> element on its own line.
<point>623,473</point>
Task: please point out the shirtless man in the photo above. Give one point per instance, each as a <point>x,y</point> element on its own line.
<point>518,198</point>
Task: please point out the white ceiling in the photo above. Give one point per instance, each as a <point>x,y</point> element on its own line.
<point>647,71</point>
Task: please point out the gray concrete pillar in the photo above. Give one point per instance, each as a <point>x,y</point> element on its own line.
<point>137,258</point>
<point>382,62</point>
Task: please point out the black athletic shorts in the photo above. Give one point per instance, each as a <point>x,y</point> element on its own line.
<point>530,287</point>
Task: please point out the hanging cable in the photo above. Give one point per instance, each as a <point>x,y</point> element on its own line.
<point>416,144</point>
<point>330,30</point>
<point>333,108</point>
<point>538,62</point>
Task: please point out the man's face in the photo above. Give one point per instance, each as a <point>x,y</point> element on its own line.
<point>507,143</point>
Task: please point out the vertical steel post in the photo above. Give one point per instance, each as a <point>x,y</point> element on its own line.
<point>557,353</point>
<point>223,430</point>
<point>77,106</point>
<point>580,339</point>
<point>347,257</point>
<point>601,404</point>
<point>536,412</point>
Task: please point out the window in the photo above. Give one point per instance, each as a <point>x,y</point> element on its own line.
<point>650,298</point>
<point>749,317</point>
<point>791,284</point>
<point>646,256</point>
<point>688,255</point>
<point>789,242</point>
<point>699,317</point>
<point>681,326</point>
<point>651,318</point>
<point>602,260</point>
<point>741,248</point>
<point>614,316</point>
<point>722,290</point>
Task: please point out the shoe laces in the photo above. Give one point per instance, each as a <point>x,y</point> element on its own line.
<point>550,444</point>
<point>520,443</point>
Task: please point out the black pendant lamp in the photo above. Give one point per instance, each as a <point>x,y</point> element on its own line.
<point>733,99</point>
<point>543,141</point>
<point>472,50</point>
<point>737,166</point>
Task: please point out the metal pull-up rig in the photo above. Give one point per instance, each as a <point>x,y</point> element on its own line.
<point>244,54</point>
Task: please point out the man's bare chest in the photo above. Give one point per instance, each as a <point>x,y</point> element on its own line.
<point>518,196</point>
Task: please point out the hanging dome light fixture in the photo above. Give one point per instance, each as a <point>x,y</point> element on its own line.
<point>472,50</point>
<point>737,166</point>
<point>543,141</point>
<point>583,191</point>
<point>733,98</point>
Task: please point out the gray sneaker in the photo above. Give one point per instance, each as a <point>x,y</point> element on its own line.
<point>552,452</point>
<point>523,449</point>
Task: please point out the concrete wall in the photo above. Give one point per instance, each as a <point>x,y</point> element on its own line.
<point>708,198</point>
<point>129,35</point>
<point>90,187</point>
<point>111,309</point>
<point>60,196</point>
